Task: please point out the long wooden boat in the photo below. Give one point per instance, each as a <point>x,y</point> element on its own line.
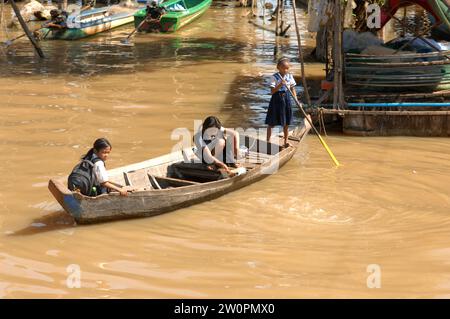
<point>178,14</point>
<point>173,181</point>
<point>91,22</point>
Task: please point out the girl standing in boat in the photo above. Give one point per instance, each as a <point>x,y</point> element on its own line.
<point>216,144</point>
<point>280,110</point>
<point>97,155</point>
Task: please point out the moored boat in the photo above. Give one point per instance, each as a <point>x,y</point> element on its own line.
<point>173,181</point>
<point>91,22</point>
<point>178,14</point>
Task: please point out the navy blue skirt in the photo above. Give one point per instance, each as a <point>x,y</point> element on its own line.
<point>280,110</point>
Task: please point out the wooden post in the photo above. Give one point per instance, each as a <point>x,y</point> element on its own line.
<point>335,59</point>
<point>27,31</point>
<point>277,20</point>
<point>337,56</point>
<point>341,62</point>
<point>264,12</point>
<point>404,22</point>
<point>300,54</point>
<point>281,17</point>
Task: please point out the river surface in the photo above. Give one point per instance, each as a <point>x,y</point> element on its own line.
<point>310,230</point>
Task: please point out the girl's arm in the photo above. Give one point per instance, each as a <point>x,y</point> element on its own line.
<point>294,92</point>
<point>278,86</point>
<point>122,190</point>
<point>103,178</point>
<point>235,136</point>
<point>208,157</point>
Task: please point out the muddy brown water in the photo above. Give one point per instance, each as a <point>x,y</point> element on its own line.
<point>309,231</point>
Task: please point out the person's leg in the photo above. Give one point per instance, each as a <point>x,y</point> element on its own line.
<point>219,149</point>
<point>231,151</point>
<point>208,155</point>
<point>269,133</point>
<point>286,134</point>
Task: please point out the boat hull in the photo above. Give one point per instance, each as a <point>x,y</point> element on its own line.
<point>74,33</point>
<point>173,21</point>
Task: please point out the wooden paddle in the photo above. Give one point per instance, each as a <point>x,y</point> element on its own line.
<point>322,141</point>
<point>126,40</point>
<point>9,42</point>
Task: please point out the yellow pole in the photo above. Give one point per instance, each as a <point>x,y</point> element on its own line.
<point>322,141</point>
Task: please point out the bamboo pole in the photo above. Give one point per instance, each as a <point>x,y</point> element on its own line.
<point>27,31</point>
<point>395,84</point>
<point>356,112</point>
<point>300,54</point>
<point>390,96</point>
<point>405,56</point>
<point>396,64</point>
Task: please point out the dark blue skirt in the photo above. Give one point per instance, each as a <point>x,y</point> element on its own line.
<point>280,110</point>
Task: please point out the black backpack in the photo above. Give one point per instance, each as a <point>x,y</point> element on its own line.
<point>82,177</point>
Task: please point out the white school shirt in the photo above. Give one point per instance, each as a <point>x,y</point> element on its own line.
<point>100,172</point>
<point>289,78</point>
<point>199,139</point>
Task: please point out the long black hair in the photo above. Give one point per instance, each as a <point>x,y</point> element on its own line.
<point>210,121</point>
<point>99,144</point>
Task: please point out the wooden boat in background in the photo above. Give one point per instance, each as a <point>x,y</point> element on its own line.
<point>91,22</point>
<point>173,181</point>
<point>178,14</point>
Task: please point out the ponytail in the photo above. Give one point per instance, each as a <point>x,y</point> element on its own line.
<point>88,154</point>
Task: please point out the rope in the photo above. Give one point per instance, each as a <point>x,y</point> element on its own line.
<point>320,122</point>
<point>321,119</point>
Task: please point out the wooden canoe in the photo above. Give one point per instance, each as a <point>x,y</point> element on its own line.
<point>178,14</point>
<point>172,181</point>
<point>91,22</point>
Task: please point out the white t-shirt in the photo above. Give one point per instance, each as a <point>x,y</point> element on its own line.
<point>199,140</point>
<point>100,172</point>
<point>287,77</point>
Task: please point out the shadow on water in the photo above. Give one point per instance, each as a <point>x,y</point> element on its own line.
<point>54,221</point>
<point>92,58</point>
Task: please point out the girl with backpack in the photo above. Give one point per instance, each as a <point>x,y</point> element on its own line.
<point>90,176</point>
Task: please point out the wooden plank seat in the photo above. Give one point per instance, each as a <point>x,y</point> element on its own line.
<point>169,182</point>
<point>138,179</point>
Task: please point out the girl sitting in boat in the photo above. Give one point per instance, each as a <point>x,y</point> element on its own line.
<point>96,156</point>
<point>217,145</point>
<point>280,110</point>
<point>153,17</point>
